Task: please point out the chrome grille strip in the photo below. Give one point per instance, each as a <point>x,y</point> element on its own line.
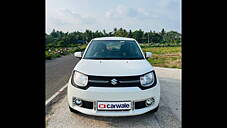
<point>130,81</point>
<point>98,81</point>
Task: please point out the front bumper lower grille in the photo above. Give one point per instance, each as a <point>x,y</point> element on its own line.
<point>87,104</point>
<point>137,105</point>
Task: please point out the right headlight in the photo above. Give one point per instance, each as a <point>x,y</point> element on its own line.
<point>79,79</point>
<point>147,80</point>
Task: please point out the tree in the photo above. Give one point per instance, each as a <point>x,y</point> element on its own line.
<point>104,32</point>
<point>88,35</point>
<point>138,35</point>
<point>121,33</point>
<point>115,29</point>
<point>163,32</point>
<point>173,37</point>
<point>130,34</point>
<point>59,38</point>
<point>156,38</point>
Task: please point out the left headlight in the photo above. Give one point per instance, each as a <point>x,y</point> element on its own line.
<point>147,80</point>
<point>79,79</point>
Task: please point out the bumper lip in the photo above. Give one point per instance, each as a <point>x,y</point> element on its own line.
<point>134,112</point>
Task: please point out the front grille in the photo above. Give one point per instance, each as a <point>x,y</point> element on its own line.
<point>87,104</point>
<point>121,81</point>
<point>140,104</point>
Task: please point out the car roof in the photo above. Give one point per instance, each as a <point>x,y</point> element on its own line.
<point>113,38</point>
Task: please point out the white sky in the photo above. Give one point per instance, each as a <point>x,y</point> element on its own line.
<point>79,15</point>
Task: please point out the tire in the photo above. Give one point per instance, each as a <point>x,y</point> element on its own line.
<point>73,110</point>
<point>155,110</point>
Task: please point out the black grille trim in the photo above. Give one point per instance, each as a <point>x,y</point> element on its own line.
<point>140,104</point>
<point>129,81</point>
<point>109,78</point>
<point>123,81</point>
<point>91,82</point>
<point>87,104</point>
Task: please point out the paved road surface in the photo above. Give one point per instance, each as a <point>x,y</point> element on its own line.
<point>58,72</point>
<point>168,116</point>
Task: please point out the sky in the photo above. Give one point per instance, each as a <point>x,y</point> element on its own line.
<point>79,15</point>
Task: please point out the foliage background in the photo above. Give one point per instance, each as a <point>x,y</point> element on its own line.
<point>61,39</point>
<point>165,46</point>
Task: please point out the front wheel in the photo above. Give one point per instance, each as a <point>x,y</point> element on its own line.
<point>73,110</point>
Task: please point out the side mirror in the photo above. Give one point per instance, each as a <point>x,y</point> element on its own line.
<point>78,54</point>
<point>148,55</point>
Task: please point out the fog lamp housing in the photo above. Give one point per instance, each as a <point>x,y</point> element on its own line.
<point>150,101</point>
<point>77,101</point>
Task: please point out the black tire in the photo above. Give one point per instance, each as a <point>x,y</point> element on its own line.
<point>155,110</point>
<point>73,110</point>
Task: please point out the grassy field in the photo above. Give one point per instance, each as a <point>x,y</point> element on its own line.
<point>169,57</point>
<point>162,56</point>
<point>54,52</point>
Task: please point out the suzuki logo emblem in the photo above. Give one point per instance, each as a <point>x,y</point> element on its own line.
<point>113,81</point>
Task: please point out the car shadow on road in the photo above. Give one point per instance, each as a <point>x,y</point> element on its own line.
<point>162,118</point>
<point>128,121</point>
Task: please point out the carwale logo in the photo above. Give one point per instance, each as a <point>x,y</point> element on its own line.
<point>114,105</point>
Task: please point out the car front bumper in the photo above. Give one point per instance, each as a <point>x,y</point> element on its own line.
<point>94,94</point>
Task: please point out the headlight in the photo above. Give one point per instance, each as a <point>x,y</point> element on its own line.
<point>79,79</point>
<point>147,80</point>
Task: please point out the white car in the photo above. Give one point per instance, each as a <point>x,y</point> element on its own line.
<point>113,78</point>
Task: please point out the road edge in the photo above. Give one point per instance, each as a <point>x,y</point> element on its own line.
<point>48,101</point>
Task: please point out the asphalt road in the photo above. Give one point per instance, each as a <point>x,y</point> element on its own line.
<point>168,116</point>
<point>58,72</point>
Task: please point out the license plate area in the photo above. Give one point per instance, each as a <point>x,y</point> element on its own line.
<point>114,106</point>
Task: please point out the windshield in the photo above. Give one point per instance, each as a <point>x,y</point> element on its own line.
<point>113,49</point>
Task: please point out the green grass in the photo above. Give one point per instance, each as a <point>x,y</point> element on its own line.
<point>148,45</point>
<point>169,57</point>
<point>54,52</point>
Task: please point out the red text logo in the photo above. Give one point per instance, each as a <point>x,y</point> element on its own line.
<point>102,105</point>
